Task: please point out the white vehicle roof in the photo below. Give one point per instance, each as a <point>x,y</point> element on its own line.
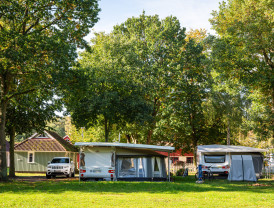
<point>227,148</point>
<point>126,145</point>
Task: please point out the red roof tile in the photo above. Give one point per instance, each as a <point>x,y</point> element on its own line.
<point>178,153</point>
<point>48,142</point>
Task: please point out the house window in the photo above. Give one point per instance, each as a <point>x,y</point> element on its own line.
<point>189,160</point>
<point>174,159</point>
<point>30,157</point>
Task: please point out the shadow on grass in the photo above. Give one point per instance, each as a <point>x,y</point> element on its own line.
<point>187,184</point>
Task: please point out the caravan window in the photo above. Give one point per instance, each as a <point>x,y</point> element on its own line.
<point>156,167</point>
<point>214,158</point>
<point>132,167</point>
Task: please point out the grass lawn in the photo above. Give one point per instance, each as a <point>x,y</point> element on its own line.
<point>184,192</point>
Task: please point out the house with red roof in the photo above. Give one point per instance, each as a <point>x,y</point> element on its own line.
<point>34,153</point>
<point>179,160</point>
<point>177,156</point>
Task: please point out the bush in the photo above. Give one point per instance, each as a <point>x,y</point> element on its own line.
<point>180,172</point>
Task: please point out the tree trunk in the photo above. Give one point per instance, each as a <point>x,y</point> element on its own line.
<point>3,158</point>
<point>106,129</point>
<point>194,138</point>
<point>228,133</point>
<point>149,136</point>
<point>12,165</point>
<point>128,138</point>
<point>156,107</point>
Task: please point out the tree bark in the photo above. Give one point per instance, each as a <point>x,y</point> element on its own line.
<point>156,107</point>
<point>195,153</point>
<point>128,138</point>
<point>228,134</point>
<point>149,135</point>
<point>106,129</point>
<point>3,158</point>
<point>194,138</point>
<point>12,165</point>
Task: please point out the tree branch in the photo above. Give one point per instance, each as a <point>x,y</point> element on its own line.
<point>25,22</point>
<point>20,93</point>
<point>267,59</point>
<point>36,23</point>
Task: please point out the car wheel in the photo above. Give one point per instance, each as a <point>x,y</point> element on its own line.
<point>73,175</point>
<point>48,176</point>
<point>69,175</point>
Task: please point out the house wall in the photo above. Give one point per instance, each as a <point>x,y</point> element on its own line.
<point>40,161</point>
<point>8,159</point>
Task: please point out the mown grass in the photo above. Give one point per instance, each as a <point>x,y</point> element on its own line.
<point>184,192</point>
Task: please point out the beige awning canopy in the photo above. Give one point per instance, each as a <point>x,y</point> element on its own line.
<point>227,148</point>
<point>126,145</point>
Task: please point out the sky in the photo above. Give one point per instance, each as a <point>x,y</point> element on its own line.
<point>192,14</point>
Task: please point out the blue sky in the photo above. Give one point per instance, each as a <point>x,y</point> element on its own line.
<point>191,13</point>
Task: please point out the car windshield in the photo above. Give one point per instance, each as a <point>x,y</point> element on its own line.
<point>214,158</point>
<point>60,160</point>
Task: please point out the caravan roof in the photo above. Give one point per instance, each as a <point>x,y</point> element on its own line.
<point>126,145</point>
<point>227,148</point>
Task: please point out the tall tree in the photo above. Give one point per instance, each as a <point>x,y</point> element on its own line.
<point>109,94</point>
<point>27,113</point>
<point>38,43</point>
<point>185,121</point>
<point>157,44</point>
<point>245,47</point>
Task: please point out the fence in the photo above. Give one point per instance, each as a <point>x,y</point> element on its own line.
<point>182,165</point>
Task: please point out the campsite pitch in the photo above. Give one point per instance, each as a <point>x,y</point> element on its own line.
<point>184,192</point>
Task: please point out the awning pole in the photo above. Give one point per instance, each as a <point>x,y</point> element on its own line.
<point>168,167</point>
<point>79,164</point>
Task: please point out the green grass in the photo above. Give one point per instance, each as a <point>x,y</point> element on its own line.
<point>184,192</point>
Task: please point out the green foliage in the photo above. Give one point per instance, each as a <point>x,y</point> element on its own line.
<point>180,172</point>
<point>109,94</point>
<point>157,44</point>
<point>93,134</point>
<point>57,125</point>
<point>38,45</point>
<point>244,52</point>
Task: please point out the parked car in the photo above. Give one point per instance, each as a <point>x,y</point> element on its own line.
<point>60,166</point>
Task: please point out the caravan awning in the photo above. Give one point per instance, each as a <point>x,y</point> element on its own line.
<point>227,148</point>
<point>126,145</point>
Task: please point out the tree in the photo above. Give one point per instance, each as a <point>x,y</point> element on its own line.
<point>185,122</point>
<point>26,113</point>
<point>245,48</point>
<point>229,102</point>
<point>83,135</point>
<point>38,43</point>
<point>157,44</point>
<point>106,92</point>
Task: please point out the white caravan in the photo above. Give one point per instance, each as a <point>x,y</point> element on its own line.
<point>218,157</point>
<point>122,161</point>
